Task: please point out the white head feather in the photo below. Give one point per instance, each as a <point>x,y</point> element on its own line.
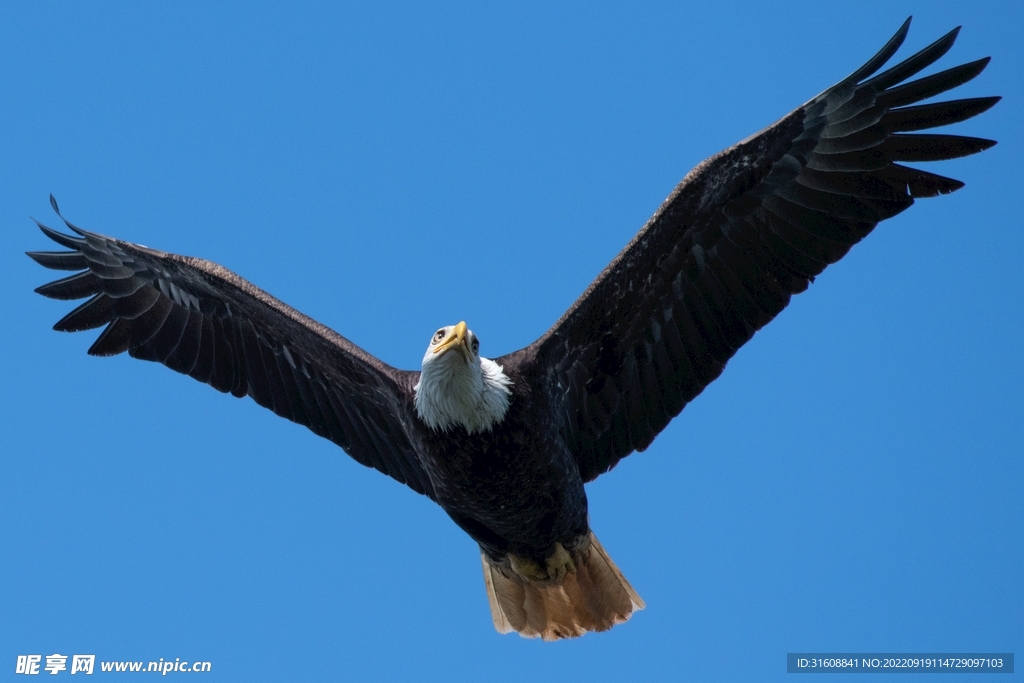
<point>459,388</point>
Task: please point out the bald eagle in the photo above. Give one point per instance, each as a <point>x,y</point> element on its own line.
<point>505,445</point>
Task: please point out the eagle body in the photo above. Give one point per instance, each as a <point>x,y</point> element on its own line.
<point>515,488</point>
<point>506,445</point>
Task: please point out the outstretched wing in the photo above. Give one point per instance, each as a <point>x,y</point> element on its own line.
<point>202,320</point>
<point>742,232</point>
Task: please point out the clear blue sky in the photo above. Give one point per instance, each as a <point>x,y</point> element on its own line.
<point>853,482</point>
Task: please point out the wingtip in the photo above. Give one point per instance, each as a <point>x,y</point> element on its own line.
<point>986,103</point>
<point>882,56</point>
<point>902,31</point>
<point>949,38</point>
<point>59,237</point>
<point>71,226</point>
<point>35,256</point>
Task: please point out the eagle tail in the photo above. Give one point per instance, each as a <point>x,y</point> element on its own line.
<point>594,597</point>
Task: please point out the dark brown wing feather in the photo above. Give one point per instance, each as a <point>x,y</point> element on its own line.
<point>202,320</point>
<point>743,232</point>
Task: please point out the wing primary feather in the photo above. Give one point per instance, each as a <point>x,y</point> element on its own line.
<point>56,210</point>
<point>59,260</point>
<point>932,147</point>
<point>96,312</point>
<point>115,339</point>
<point>76,286</point>
<point>915,63</point>
<point>60,238</point>
<point>883,55</point>
<point>934,115</point>
<point>929,86</point>
<point>922,183</point>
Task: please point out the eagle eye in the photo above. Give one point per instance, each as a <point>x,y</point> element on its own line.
<point>476,345</point>
<point>439,335</point>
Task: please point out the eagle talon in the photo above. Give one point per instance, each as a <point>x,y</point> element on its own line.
<point>560,563</point>
<point>527,568</point>
<point>555,567</point>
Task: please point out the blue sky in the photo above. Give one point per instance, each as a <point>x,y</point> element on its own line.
<point>853,482</point>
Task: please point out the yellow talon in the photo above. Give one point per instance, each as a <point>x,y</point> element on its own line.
<point>560,563</point>
<point>527,568</point>
<point>555,567</point>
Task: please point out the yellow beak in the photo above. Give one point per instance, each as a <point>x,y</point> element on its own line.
<point>458,336</point>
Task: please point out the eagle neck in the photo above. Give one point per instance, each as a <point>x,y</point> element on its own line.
<point>454,393</point>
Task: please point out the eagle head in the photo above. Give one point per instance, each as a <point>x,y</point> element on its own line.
<point>457,386</point>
